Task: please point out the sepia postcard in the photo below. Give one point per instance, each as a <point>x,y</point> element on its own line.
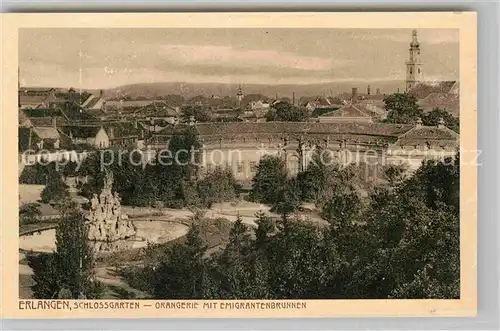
<point>239,165</point>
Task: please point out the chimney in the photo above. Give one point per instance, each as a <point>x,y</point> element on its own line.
<point>398,89</point>
<point>54,122</point>
<point>354,92</point>
<point>378,91</point>
<point>419,123</point>
<point>368,90</point>
<point>101,92</point>
<point>293,98</point>
<point>29,137</point>
<point>111,132</point>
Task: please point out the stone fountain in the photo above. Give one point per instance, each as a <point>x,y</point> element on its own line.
<point>108,226</point>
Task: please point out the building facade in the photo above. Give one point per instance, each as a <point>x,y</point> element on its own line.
<point>240,146</point>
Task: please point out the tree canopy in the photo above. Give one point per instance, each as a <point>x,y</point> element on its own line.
<point>198,113</point>
<point>402,243</point>
<point>435,116</point>
<point>285,112</point>
<point>69,271</point>
<point>402,108</point>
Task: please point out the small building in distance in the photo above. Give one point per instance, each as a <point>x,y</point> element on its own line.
<point>91,135</point>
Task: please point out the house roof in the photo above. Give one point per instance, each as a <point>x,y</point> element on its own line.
<point>122,129</point>
<point>23,118</point>
<point>348,110</point>
<point>429,134</point>
<point>323,110</point>
<point>42,112</point>
<point>157,109</point>
<point>446,101</point>
<point>422,90</point>
<point>48,121</point>
<point>26,100</point>
<point>46,132</point>
<point>130,104</point>
<point>81,131</point>
<point>91,101</point>
<point>48,135</point>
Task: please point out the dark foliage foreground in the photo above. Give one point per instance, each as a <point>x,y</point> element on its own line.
<point>403,243</point>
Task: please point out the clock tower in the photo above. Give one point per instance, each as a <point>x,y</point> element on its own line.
<point>413,65</point>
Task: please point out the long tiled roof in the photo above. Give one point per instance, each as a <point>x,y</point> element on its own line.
<point>277,128</point>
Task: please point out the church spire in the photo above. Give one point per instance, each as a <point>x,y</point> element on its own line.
<point>239,95</point>
<point>413,65</point>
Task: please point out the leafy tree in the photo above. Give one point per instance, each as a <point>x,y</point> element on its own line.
<point>414,251</point>
<point>294,258</point>
<point>233,263</point>
<point>184,146</point>
<point>174,100</point>
<point>285,112</point>
<point>71,266</point>
<point>29,213</point>
<point>181,274</point>
<point>435,116</point>
<point>217,186</point>
<point>269,180</point>
<point>266,228</point>
<point>38,173</point>
<point>394,174</point>
<point>55,191</point>
<point>198,113</point>
<point>289,199</point>
<point>402,108</point>
<point>146,190</point>
<point>45,275</point>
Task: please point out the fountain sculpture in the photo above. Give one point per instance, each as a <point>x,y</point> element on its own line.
<point>106,222</point>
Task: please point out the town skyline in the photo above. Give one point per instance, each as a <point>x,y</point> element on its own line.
<point>110,58</point>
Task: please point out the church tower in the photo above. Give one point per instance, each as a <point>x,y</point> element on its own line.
<point>413,65</point>
<point>239,96</point>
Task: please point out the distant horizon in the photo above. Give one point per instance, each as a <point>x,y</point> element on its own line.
<point>207,89</point>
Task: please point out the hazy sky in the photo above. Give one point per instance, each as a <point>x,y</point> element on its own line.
<point>104,58</point>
